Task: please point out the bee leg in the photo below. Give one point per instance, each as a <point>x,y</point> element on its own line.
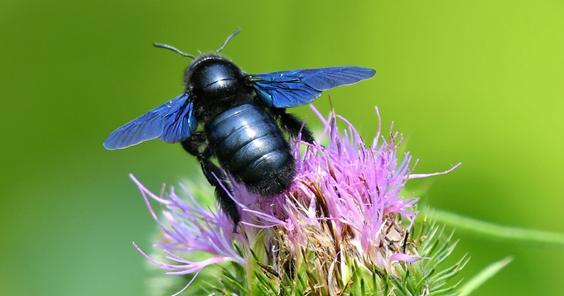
<point>294,125</point>
<point>215,176</point>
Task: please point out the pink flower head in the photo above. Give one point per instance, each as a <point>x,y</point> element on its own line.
<point>345,203</point>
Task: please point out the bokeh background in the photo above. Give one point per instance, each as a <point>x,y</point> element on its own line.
<point>478,82</point>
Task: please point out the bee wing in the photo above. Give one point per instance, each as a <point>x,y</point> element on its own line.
<point>298,87</point>
<point>171,122</point>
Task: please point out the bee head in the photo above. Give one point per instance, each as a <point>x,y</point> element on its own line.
<point>213,75</point>
<point>210,74</point>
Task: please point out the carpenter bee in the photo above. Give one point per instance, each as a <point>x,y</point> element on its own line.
<point>239,119</point>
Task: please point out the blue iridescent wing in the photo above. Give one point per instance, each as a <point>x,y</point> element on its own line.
<point>298,87</point>
<point>171,122</point>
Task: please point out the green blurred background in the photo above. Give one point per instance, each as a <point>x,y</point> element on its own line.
<point>465,81</point>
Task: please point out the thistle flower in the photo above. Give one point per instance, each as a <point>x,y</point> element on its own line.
<point>342,228</point>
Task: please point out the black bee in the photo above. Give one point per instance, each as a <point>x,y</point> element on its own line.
<point>236,117</point>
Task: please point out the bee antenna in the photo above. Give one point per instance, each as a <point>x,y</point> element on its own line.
<point>227,40</point>
<point>169,47</point>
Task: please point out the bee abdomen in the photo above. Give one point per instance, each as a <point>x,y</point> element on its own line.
<point>251,147</point>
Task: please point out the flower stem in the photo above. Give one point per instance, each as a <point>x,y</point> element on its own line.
<point>495,230</point>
